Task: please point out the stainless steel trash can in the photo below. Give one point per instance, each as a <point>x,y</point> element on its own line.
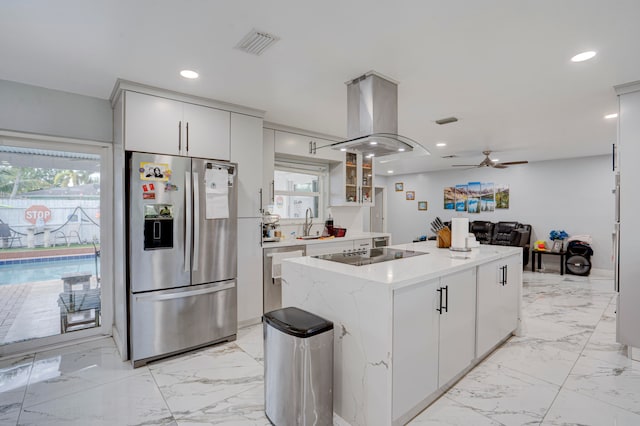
<point>298,368</point>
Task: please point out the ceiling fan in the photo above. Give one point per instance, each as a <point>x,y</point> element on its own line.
<point>488,162</point>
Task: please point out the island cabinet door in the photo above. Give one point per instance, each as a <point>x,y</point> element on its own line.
<point>415,345</point>
<point>512,289</point>
<point>457,324</point>
<point>498,292</point>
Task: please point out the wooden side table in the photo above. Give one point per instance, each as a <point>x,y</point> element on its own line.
<point>535,252</point>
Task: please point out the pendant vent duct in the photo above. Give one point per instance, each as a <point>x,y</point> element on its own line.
<point>256,42</point>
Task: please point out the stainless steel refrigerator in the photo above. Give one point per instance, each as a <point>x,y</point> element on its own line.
<point>182,254</point>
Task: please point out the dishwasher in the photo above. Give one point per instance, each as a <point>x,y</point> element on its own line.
<point>272,273</point>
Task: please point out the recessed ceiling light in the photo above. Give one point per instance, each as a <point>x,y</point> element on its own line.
<point>495,160</point>
<point>611,115</point>
<point>584,56</point>
<point>373,143</point>
<point>189,74</point>
<point>389,171</point>
<point>401,149</point>
<point>343,149</point>
<point>441,144</point>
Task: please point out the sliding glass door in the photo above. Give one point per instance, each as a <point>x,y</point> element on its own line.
<point>52,285</point>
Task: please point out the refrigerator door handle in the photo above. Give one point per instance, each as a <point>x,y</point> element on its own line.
<point>196,220</point>
<point>187,246</point>
<point>151,297</point>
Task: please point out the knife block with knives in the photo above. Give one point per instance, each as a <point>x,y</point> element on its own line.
<point>444,238</point>
<point>443,233</point>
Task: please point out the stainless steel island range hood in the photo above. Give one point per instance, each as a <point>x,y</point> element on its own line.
<point>372,118</point>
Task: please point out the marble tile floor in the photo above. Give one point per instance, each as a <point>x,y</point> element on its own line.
<point>565,368</point>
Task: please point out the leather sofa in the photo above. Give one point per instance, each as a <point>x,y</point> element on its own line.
<point>503,234</point>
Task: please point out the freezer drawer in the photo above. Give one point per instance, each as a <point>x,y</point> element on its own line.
<point>171,321</point>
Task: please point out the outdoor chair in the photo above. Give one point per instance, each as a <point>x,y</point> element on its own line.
<point>8,236</point>
<point>72,229</point>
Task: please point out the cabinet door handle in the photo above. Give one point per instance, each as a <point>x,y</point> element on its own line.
<point>260,204</point>
<point>613,156</point>
<point>446,298</point>
<point>310,147</point>
<point>440,308</point>
<point>273,191</point>
<point>179,136</point>
<point>506,274</point>
<point>187,136</point>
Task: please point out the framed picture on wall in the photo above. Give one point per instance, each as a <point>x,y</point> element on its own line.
<point>411,195</point>
<point>399,187</point>
<point>422,205</point>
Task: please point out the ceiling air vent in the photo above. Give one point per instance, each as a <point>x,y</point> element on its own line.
<point>447,120</point>
<point>256,42</point>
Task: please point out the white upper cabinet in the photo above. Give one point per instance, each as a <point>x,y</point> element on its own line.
<point>207,132</point>
<point>152,124</point>
<point>165,126</point>
<point>268,163</point>
<point>246,151</point>
<point>305,146</point>
<point>352,181</point>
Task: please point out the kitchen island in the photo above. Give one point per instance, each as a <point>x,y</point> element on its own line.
<point>407,329</point>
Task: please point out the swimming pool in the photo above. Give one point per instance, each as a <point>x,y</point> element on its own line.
<point>45,269</point>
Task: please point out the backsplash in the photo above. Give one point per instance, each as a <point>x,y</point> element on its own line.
<point>343,217</point>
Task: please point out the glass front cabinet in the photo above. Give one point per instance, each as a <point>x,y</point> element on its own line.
<point>352,181</point>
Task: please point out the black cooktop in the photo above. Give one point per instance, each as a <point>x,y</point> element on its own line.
<point>369,256</point>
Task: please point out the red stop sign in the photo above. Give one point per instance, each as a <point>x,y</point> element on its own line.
<point>33,213</point>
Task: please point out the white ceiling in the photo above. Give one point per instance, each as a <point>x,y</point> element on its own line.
<point>501,66</point>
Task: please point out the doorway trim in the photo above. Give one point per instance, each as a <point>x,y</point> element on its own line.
<point>384,208</point>
<point>105,150</point>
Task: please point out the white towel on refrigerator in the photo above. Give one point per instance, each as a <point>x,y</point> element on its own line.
<point>216,193</point>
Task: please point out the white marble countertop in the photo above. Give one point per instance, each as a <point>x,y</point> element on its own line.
<point>349,237</point>
<point>408,271</point>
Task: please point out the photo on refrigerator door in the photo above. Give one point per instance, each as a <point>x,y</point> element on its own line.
<point>487,200</point>
<point>461,198</point>
<point>154,171</point>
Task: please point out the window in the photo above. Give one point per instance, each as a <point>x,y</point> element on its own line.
<point>298,187</point>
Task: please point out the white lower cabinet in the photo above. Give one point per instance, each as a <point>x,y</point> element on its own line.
<point>433,337</point>
<point>457,324</point>
<point>498,301</point>
<point>415,345</point>
<point>249,271</point>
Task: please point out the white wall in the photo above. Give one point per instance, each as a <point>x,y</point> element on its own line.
<point>574,195</point>
<point>32,109</point>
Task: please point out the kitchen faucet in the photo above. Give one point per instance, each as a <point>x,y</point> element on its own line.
<point>308,221</point>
